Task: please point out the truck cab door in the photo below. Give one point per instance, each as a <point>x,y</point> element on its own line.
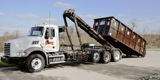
<point>50,40</point>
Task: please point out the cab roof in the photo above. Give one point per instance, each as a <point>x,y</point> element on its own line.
<point>45,25</point>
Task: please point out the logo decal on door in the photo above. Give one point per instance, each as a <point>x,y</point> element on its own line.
<point>49,43</point>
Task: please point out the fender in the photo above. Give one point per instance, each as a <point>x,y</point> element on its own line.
<point>30,50</point>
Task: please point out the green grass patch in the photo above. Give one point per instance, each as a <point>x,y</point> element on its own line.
<point>5,65</point>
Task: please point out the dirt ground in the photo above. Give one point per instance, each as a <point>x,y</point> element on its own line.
<point>126,69</point>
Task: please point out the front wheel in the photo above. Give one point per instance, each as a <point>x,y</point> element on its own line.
<point>35,63</point>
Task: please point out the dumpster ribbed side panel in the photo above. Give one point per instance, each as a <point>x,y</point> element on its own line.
<point>120,36</point>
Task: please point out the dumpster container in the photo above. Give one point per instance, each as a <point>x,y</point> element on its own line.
<point>120,36</point>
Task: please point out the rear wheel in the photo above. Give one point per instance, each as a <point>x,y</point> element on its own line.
<point>105,57</point>
<point>35,63</point>
<point>128,56</point>
<point>116,55</point>
<point>95,57</point>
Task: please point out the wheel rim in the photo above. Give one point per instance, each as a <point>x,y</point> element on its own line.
<point>116,55</point>
<point>36,63</point>
<point>96,56</point>
<point>106,57</point>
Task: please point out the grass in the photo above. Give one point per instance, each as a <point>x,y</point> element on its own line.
<point>5,65</point>
<point>1,50</point>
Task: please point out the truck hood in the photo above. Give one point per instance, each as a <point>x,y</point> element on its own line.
<point>21,44</point>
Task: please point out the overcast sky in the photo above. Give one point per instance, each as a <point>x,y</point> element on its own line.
<point>23,14</point>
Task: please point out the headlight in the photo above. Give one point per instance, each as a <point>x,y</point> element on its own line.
<point>21,53</point>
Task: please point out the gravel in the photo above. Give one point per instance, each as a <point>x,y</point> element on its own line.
<point>155,76</point>
<point>147,68</point>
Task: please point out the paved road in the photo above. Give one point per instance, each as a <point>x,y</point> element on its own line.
<point>126,69</point>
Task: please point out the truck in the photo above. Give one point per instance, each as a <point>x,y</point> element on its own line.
<point>42,46</point>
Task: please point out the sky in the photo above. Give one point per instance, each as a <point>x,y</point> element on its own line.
<point>20,15</point>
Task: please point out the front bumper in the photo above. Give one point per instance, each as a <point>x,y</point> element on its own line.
<point>13,60</point>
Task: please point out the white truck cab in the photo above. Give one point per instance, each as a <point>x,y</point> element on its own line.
<point>36,49</point>
<point>41,36</point>
<point>49,37</point>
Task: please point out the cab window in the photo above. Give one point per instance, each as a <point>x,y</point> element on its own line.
<point>49,33</point>
<point>53,32</point>
<point>36,31</point>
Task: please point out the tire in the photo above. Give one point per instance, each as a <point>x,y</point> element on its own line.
<point>35,63</point>
<point>95,56</point>
<point>128,56</point>
<point>105,57</point>
<point>116,55</point>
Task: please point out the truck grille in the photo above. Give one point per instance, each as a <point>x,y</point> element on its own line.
<point>7,48</point>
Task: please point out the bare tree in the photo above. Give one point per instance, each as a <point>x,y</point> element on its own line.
<point>8,36</point>
<point>158,38</point>
<point>133,24</point>
<point>144,32</point>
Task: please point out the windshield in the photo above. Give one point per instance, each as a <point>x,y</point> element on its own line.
<point>36,31</point>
